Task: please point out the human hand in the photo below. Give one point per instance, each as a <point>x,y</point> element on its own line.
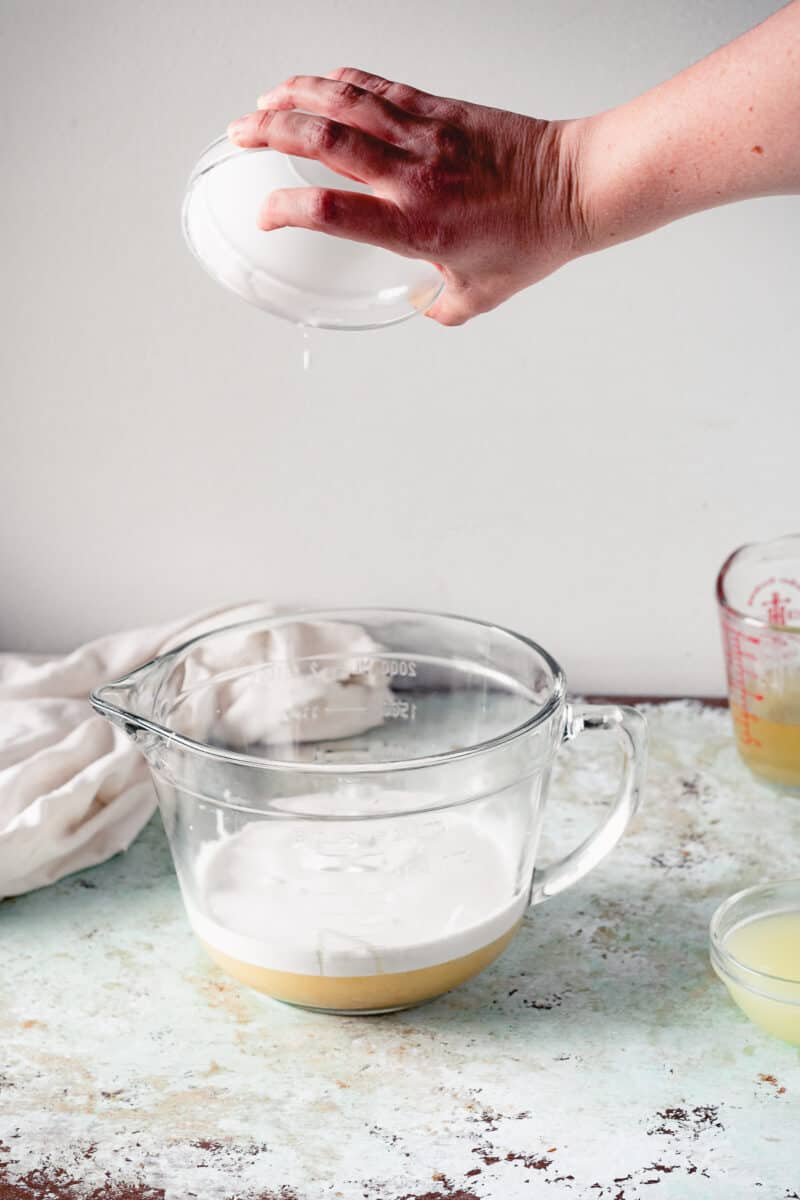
<point>498,200</point>
<point>491,197</point>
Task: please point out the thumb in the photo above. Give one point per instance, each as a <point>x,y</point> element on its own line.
<point>451,307</point>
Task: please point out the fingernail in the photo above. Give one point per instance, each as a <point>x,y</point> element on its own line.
<point>236,128</point>
<point>265,100</point>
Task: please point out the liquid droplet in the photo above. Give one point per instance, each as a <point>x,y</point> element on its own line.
<point>306,349</point>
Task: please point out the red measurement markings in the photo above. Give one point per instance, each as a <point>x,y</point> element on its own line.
<point>778,609</point>
<point>741,662</point>
<point>776,598</point>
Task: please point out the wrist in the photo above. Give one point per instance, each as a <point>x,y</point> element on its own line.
<point>600,183</point>
<point>577,188</point>
<point>555,194</point>
<point>624,190</point>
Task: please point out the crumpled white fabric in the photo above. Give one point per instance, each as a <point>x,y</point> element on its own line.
<point>73,788</point>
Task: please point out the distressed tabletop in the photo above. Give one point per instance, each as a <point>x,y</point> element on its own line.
<point>599,1058</point>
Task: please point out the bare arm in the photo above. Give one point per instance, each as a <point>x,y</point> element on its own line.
<point>499,200</point>
<point>726,129</point>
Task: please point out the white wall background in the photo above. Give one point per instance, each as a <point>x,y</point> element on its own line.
<point>576,464</point>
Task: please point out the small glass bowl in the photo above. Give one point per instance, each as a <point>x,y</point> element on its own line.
<point>752,934</point>
<point>306,277</point>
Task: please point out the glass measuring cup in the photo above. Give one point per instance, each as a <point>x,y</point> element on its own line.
<point>758,593</point>
<point>353,798</point>
<point>306,277</point>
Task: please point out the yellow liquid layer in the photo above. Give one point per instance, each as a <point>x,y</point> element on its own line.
<point>363,993</point>
<point>770,944</point>
<point>769,740</point>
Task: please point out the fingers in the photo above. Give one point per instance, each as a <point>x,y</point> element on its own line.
<point>351,215</point>
<point>345,102</point>
<point>411,99</point>
<point>338,146</point>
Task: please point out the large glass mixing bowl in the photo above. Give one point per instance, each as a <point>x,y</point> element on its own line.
<point>304,276</point>
<point>353,798</point>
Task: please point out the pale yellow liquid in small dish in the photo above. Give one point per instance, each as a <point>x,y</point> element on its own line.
<point>769,944</point>
<point>362,993</point>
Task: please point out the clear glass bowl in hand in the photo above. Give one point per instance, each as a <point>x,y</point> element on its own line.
<point>306,277</point>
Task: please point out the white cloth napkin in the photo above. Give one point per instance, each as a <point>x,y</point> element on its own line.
<point>73,788</point>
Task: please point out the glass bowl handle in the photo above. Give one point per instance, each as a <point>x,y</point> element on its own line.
<point>631,730</point>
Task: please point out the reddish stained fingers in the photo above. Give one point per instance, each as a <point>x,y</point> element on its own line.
<point>403,95</point>
<point>351,215</point>
<point>345,102</point>
<point>340,147</point>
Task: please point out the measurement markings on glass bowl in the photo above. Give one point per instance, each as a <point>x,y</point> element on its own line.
<point>405,667</point>
<point>393,710</point>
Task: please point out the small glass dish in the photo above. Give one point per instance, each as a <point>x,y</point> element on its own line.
<point>307,277</point>
<point>755,950</point>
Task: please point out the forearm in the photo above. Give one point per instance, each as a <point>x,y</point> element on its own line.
<point>726,129</point>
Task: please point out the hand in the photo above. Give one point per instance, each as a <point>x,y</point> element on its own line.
<point>491,197</point>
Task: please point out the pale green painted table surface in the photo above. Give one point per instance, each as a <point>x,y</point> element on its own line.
<point>599,1058</point>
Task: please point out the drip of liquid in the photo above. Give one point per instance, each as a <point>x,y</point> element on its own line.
<point>306,348</point>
